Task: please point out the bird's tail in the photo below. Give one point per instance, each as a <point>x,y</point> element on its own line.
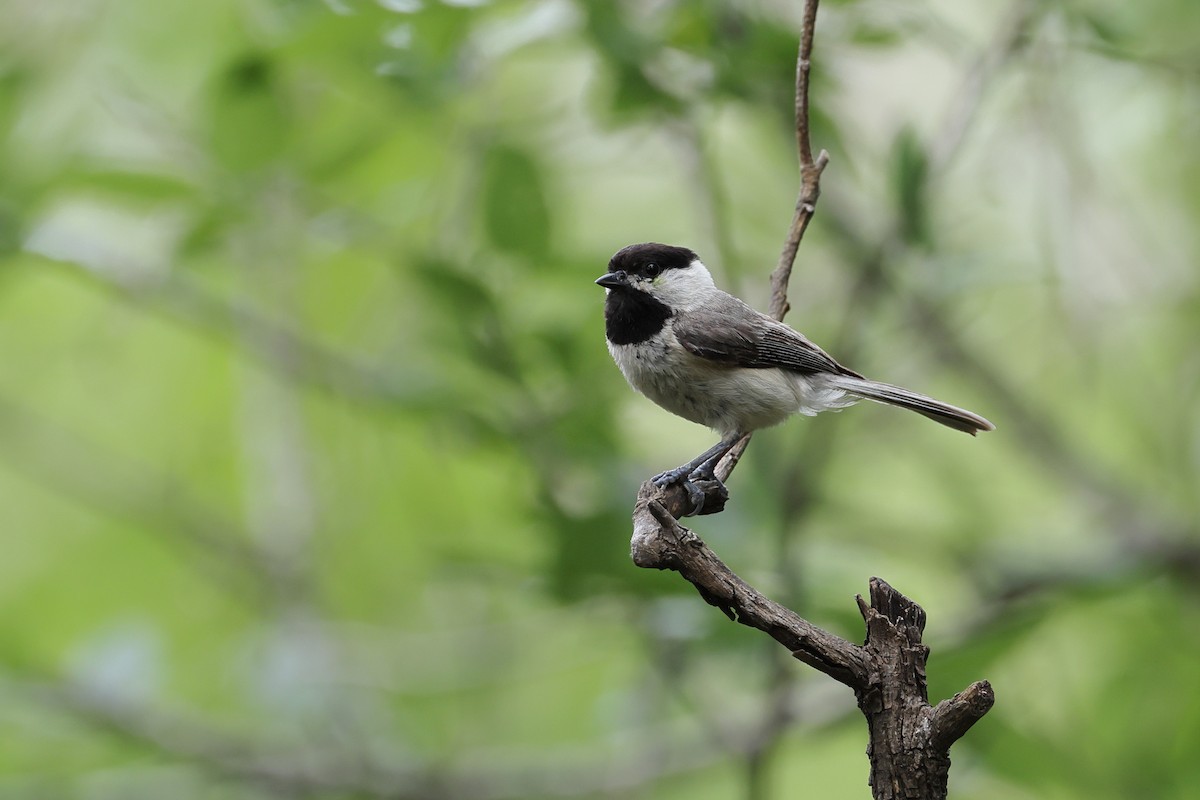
<point>951,416</point>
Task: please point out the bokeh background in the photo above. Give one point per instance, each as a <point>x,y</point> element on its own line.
<point>315,474</point>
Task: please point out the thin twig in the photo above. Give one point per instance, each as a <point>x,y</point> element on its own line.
<point>806,201</point>
<point>810,170</point>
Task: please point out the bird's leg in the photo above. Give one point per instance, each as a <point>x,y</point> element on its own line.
<point>707,470</point>
<point>701,466</point>
<point>707,473</point>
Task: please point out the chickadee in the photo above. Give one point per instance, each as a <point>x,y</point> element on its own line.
<point>708,357</point>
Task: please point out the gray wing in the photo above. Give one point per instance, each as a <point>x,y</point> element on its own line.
<point>728,331</point>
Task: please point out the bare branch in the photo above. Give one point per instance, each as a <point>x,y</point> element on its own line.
<point>810,170</point>
<point>954,717</point>
<point>660,542</point>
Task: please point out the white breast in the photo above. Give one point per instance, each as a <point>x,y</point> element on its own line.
<point>727,399</point>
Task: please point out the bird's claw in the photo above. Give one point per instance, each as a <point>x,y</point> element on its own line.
<point>664,479</point>
<point>688,481</point>
<point>696,497</point>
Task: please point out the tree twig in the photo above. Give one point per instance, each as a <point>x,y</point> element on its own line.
<point>806,203</point>
<point>810,170</point>
<point>660,542</point>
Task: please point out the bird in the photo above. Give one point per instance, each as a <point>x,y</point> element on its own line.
<point>710,358</point>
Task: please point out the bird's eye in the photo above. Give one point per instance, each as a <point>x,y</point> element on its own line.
<point>653,270</point>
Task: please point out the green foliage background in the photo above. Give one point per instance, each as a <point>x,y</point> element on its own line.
<point>315,475</point>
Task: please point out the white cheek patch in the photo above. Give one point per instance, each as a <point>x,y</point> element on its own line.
<point>684,289</point>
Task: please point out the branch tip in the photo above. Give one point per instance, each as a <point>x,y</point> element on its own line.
<point>954,717</point>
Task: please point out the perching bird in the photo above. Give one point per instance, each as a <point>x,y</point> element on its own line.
<point>705,355</point>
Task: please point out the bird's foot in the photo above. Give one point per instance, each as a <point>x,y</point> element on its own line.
<point>679,475</point>
<point>697,497</point>
<point>706,493</point>
<point>664,479</point>
<point>705,472</point>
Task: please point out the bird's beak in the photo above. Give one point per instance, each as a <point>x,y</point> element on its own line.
<point>614,280</point>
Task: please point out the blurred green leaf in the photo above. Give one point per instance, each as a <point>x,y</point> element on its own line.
<point>516,213</point>
<point>13,84</point>
<point>874,35</point>
<point>626,50</point>
<point>248,113</point>
<point>910,171</point>
<point>130,186</point>
<point>10,228</point>
<point>1103,28</point>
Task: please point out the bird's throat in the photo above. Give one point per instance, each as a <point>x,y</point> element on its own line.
<point>632,317</point>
